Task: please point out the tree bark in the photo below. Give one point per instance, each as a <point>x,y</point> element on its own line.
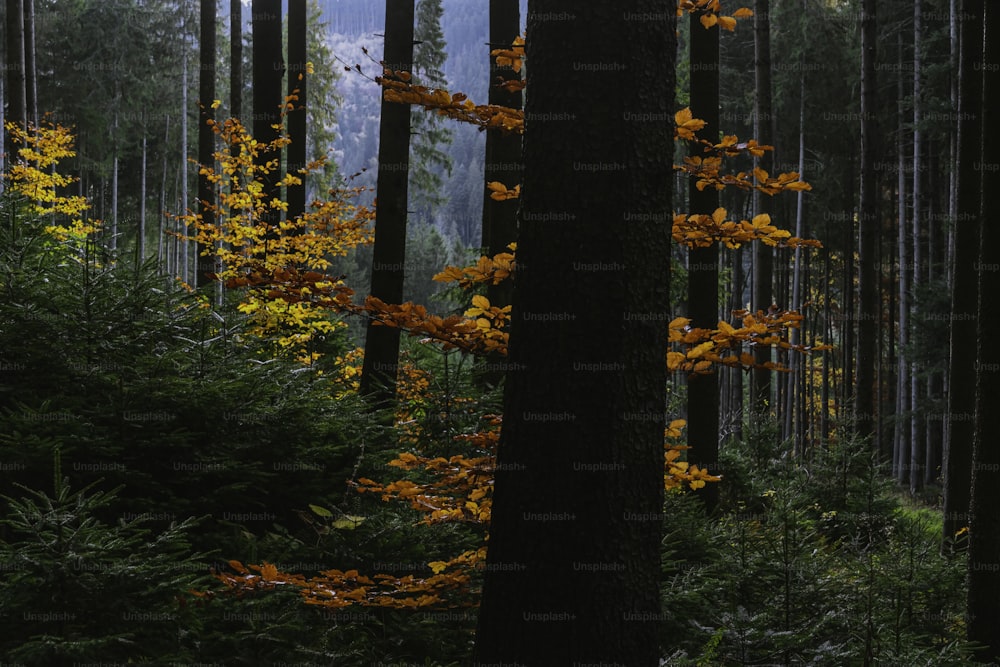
<point>918,432</point>
<point>268,96</point>
<point>236,59</point>
<point>297,86</point>
<point>574,548</point>
<point>868,306</point>
<point>16,98</point>
<point>984,533</point>
<point>206,138</point>
<point>762,263</point>
<point>30,71</point>
<point>378,373</point>
<point>703,263</point>
<point>962,359</point>
<point>503,164</point>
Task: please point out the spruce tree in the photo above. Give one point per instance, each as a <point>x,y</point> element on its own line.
<point>430,131</point>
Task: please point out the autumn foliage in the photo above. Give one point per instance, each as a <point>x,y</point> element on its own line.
<point>458,488</point>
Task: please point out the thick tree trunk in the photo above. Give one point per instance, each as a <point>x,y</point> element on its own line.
<point>703,263</point>
<point>268,96</point>
<point>297,86</point>
<point>964,301</point>
<point>378,374</point>
<point>503,164</point>
<point>206,137</point>
<point>30,71</point>
<point>868,306</point>
<point>16,97</point>
<point>984,534</point>
<point>574,548</point>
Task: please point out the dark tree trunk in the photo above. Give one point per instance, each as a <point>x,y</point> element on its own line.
<point>574,546</point>
<point>30,71</point>
<point>760,393</point>
<point>703,263</point>
<point>206,137</point>
<point>297,56</point>
<point>16,99</point>
<point>868,223</point>
<point>268,70</point>
<point>960,430</point>
<point>378,374</point>
<point>984,534</point>
<point>503,162</point>
<point>236,59</point>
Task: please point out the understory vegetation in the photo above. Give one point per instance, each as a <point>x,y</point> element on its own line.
<point>148,442</point>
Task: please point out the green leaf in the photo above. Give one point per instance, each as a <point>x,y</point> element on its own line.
<point>325,513</point>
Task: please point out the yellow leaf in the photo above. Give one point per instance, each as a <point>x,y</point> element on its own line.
<point>728,22</point>
<point>708,20</point>
<point>437,566</point>
<point>743,13</point>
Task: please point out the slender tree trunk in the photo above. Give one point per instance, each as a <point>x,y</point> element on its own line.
<point>984,534</point>
<point>868,308</point>
<point>917,432</point>
<point>141,245</point>
<point>206,138</point>
<point>964,301</point>
<point>703,263</point>
<point>114,187</point>
<point>573,565</point>
<point>736,374</point>
<point>378,373</point>
<point>163,248</point>
<point>901,455</point>
<point>794,361</point>
<point>297,86</point>
<point>760,396</point>
<point>182,269</point>
<point>503,163</point>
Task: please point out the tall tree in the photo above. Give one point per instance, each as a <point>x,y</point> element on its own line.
<point>703,263</point>
<point>984,534</point>
<point>206,135</point>
<point>378,373</point>
<point>763,127</point>
<point>30,70</point>
<point>503,150</point>
<point>16,97</point>
<point>236,60</point>
<point>430,131</point>
<point>268,97</point>
<point>573,562</point>
<point>297,86</point>
<point>960,431</point>
<point>502,163</point>
<point>868,307</point>
<point>918,433</point>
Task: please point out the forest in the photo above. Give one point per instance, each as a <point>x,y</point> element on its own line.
<point>499,332</point>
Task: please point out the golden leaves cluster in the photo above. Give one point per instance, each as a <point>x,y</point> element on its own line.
<point>33,175</point>
<point>703,231</point>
